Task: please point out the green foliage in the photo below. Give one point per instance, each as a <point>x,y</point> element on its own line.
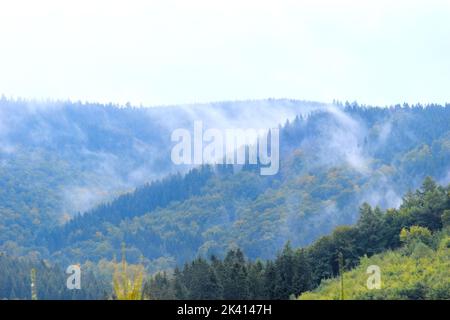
<point>295,271</point>
<point>212,210</point>
<point>446,218</point>
<point>17,275</point>
<point>415,234</point>
<point>235,278</point>
<point>403,276</point>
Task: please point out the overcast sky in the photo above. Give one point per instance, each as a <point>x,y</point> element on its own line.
<point>183,51</point>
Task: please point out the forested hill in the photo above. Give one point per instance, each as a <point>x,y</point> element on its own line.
<point>50,282</point>
<point>332,160</point>
<point>58,158</point>
<point>410,245</point>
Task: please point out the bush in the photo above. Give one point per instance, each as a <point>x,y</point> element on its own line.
<point>415,234</point>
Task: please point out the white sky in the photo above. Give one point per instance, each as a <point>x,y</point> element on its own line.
<point>181,51</point>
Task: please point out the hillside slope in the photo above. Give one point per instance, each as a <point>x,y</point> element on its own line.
<point>60,158</point>
<point>418,268</point>
<point>331,162</point>
<point>420,273</point>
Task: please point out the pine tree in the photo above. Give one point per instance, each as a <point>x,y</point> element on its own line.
<point>284,266</point>
<point>179,288</point>
<point>235,284</point>
<point>370,230</point>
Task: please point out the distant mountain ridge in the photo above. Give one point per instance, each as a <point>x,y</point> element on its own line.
<point>332,161</point>
<point>58,158</point>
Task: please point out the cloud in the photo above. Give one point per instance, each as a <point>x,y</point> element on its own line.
<point>339,140</point>
<point>446,179</point>
<point>113,150</point>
